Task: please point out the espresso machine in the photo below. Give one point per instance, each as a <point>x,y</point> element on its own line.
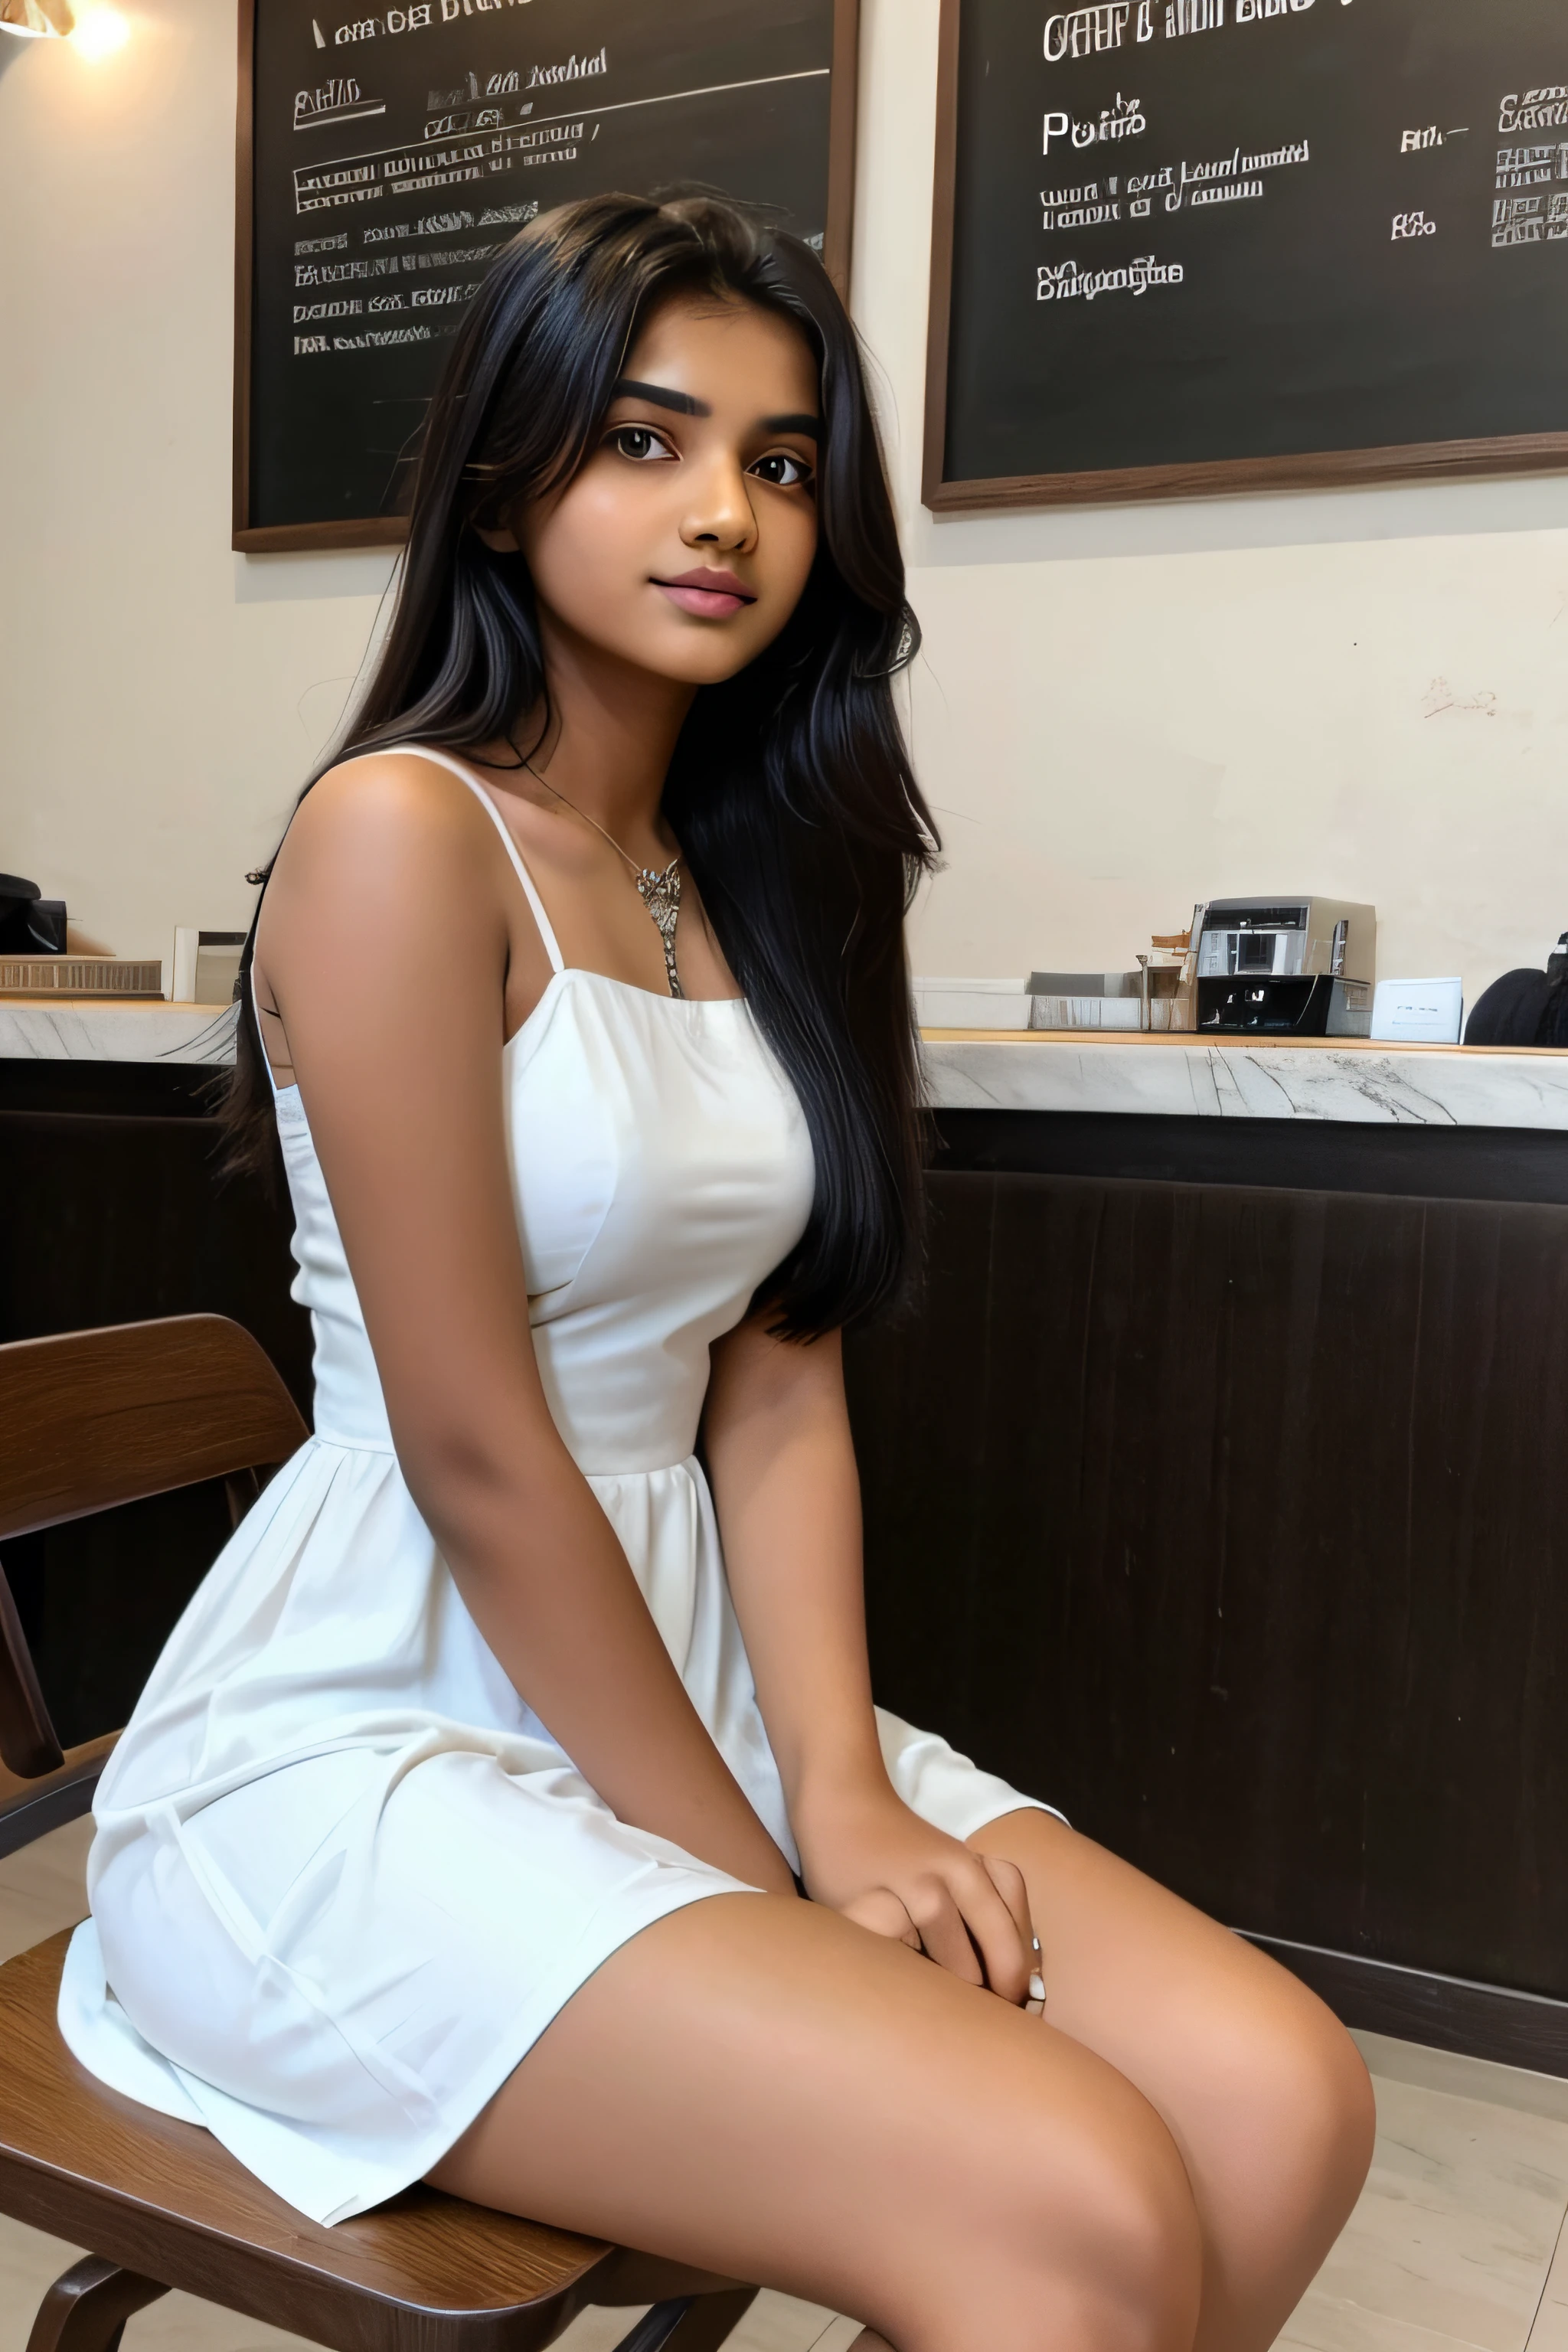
<point>1299,966</point>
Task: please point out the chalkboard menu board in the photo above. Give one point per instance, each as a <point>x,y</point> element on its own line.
<point>385,157</point>
<point>1187,246</point>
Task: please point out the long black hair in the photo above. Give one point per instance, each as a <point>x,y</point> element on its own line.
<point>790,791</point>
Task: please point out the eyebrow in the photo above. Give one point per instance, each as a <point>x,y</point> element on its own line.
<point>659,395</point>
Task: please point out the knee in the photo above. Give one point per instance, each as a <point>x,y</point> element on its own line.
<point>1313,2097</point>
<point>1083,2233</point>
<point>1135,2256</point>
<point>1342,2111</point>
<point>1111,2247</point>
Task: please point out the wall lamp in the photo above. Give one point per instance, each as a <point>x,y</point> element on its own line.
<point>93,29</point>
<point>34,19</point>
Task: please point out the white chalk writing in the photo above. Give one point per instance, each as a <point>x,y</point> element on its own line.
<point>338,244</point>
<point>1087,32</point>
<point>1301,153</point>
<point>1412,225</point>
<point>436,297</point>
<point>1125,120</point>
<point>338,101</point>
<point>1182,16</point>
<point>373,338</point>
<point>1226,179</point>
<point>352,175</point>
<point>1065,282</point>
<point>342,308</point>
<point>1083,32</point>
<point>412,20</point>
<point>434,159</point>
<point>340,273</point>
<point>467,253</point>
<point>1538,109</point>
<point>550,134</point>
<point>574,69</point>
<point>1532,167</point>
<point>1079,207</point>
<point>1236,192</point>
<point>448,179</point>
<point>1529,220</point>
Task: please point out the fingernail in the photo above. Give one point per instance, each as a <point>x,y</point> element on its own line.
<point>1036,1987</point>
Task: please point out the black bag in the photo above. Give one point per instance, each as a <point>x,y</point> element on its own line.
<point>30,925</point>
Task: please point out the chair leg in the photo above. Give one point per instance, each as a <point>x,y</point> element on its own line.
<point>86,2310</point>
<point>691,2323</point>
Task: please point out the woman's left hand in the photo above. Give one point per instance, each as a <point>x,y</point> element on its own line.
<point>879,1864</point>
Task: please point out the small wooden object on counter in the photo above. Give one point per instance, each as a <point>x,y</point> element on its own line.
<point>92,1419</point>
<point>73,976</point>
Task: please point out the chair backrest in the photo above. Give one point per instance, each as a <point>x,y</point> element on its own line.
<point>92,1419</point>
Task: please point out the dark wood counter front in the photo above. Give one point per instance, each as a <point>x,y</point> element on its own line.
<point>1219,1493</point>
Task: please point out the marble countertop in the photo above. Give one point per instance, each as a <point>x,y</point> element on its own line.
<point>1187,1076</point>
<point>85,1029</point>
<point>1077,1070</point>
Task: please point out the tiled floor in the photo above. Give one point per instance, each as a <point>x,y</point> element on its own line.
<point>1457,2245</point>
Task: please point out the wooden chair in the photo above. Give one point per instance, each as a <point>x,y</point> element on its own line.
<point>89,1421</point>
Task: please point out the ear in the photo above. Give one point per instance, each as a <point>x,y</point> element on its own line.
<point>499,543</point>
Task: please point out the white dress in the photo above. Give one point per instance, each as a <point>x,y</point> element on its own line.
<point>342,1876</point>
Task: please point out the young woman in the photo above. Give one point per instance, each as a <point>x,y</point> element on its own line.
<point>457,1832</point>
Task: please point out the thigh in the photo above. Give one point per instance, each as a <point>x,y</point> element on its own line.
<point>757,2087</point>
<point>1263,2090</point>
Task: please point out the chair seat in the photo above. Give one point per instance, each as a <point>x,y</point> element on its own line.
<point>422,2274</point>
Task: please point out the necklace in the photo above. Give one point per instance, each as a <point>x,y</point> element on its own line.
<point>660,892</point>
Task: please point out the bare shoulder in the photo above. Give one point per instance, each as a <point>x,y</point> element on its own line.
<point>388,812</point>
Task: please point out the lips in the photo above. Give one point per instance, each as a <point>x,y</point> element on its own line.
<point>707,595</point>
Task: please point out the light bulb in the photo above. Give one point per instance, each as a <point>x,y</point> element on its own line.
<point>99,32</point>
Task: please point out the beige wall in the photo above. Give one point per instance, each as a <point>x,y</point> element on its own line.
<point>163,697</point>
<point>1117,711</point>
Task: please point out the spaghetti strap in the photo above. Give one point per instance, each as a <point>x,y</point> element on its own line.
<point>266,1056</point>
<point>442,760</point>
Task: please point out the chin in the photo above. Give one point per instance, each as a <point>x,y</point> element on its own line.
<point>706,663</point>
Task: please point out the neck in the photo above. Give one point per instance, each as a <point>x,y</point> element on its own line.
<point>612,734</point>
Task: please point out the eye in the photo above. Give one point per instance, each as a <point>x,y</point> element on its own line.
<point>639,443</point>
<point>786,473</point>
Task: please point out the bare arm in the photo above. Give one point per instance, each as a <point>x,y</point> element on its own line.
<point>777,1437</point>
<point>384,943</point>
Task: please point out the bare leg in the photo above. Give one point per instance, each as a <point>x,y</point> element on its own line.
<point>759,2087</point>
<point>1263,2090</point>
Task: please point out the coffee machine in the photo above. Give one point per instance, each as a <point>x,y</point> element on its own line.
<point>1300,967</point>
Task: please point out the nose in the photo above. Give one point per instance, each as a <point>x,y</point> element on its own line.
<point>718,511</point>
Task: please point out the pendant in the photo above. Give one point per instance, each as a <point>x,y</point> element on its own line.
<point>660,894</point>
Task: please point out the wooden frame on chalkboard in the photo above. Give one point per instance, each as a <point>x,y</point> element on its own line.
<point>391,530</point>
<point>1520,453</point>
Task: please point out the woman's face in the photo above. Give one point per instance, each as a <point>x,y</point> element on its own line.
<point>684,543</point>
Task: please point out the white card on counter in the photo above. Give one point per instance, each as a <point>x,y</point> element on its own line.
<point>1418,1011</point>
